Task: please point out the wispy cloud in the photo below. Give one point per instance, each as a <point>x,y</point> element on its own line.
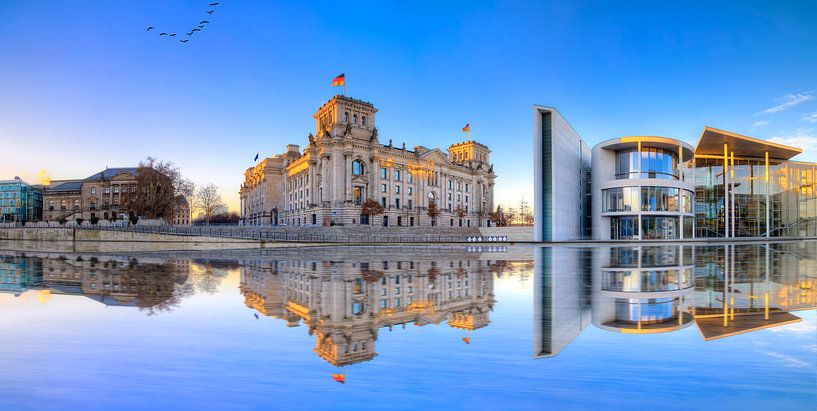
<point>802,138</point>
<point>802,327</point>
<point>790,361</point>
<point>811,118</point>
<point>789,101</point>
<point>760,123</point>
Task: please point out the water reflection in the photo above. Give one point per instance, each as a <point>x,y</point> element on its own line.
<point>723,290</point>
<point>344,303</point>
<point>345,296</point>
<point>152,285</point>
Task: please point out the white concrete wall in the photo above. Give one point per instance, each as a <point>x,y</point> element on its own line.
<point>604,170</point>
<point>570,156</point>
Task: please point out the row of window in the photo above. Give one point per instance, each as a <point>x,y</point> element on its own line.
<point>649,281</point>
<point>651,228</point>
<point>354,118</point>
<point>647,198</point>
<point>654,163</point>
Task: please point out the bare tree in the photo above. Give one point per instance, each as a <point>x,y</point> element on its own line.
<point>208,201</point>
<point>158,183</point>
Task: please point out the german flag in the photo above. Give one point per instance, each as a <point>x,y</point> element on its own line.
<point>339,81</point>
<point>467,128</point>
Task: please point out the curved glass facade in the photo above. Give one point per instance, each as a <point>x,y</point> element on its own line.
<point>655,163</point>
<point>624,227</point>
<point>647,311</point>
<point>647,281</point>
<point>659,227</point>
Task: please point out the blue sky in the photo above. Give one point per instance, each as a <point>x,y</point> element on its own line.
<point>83,85</point>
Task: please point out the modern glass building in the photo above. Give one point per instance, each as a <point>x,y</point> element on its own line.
<point>659,188</point>
<point>640,191</point>
<point>20,201</point>
<point>745,187</point>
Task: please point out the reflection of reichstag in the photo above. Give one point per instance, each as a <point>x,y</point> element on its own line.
<point>344,303</point>
<point>725,290</point>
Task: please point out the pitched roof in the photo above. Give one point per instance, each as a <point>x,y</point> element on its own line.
<point>110,173</point>
<point>69,185</point>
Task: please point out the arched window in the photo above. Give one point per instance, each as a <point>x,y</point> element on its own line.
<point>363,120</point>
<point>357,167</point>
<point>354,118</point>
<point>346,117</point>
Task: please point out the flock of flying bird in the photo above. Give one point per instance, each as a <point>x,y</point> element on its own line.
<point>200,27</point>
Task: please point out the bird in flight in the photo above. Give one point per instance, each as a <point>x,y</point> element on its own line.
<point>214,4</point>
<point>189,34</point>
<point>184,41</point>
<point>172,34</point>
<point>201,26</point>
<point>163,34</point>
<point>256,315</point>
<point>150,28</point>
<point>210,12</point>
<point>194,30</point>
<point>203,22</point>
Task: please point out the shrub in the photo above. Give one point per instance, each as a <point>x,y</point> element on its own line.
<point>94,220</point>
<point>133,220</point>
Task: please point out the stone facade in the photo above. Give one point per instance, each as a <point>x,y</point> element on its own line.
<point>181,211</point>
<point>104,195</point>
<point>345,164</point>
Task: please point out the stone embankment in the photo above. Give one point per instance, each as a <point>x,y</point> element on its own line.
<point>254,235</point>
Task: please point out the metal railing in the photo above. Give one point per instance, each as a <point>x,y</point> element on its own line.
<point>248,233</point>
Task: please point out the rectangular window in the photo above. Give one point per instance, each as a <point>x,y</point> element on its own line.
<point>383,172</point>
<point>410,178</point>
<point>382,188</point>
<point>396,189</point>
<point>396,175</point>
<point>411,190</point>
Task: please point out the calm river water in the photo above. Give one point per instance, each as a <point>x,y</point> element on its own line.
<point>455,327</point>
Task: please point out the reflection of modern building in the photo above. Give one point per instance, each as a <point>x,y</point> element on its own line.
<point>658,188</point>
<point>561,298</point>
<point>643,289</point>
<point>724,290</point>
<point>19,273</point>
<point>346,303</point>
<point>345,164</point>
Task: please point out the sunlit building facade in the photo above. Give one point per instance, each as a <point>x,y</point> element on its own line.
<point>345,164</point>
<point>659,188</point>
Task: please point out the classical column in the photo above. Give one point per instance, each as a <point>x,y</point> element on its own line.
<point>348,177</point>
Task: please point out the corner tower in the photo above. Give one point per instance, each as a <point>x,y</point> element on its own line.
<point>469,151</point>
<point>345,116</point>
